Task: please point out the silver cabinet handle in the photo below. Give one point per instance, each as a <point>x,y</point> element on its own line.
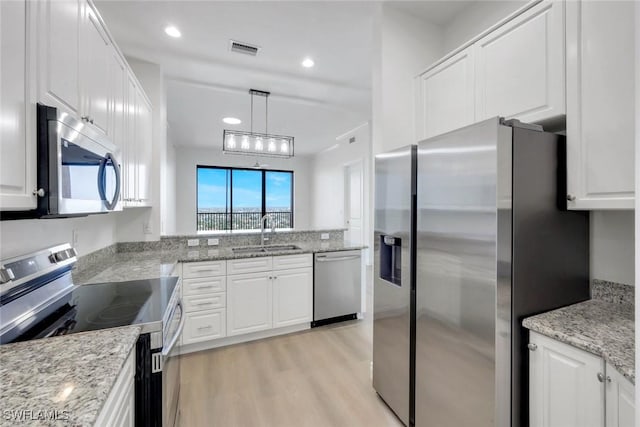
<point>39,192</point>
<point>600,377</point>
<point>203,328</point>
<point>532,347</point>
<point>343,258</point>
<point>571,198</point>
<point>84,118</point>
<point>608,379</point>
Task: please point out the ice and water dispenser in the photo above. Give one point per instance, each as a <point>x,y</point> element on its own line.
<point>391,259</point>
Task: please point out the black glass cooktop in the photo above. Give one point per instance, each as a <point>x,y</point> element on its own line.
<point>108,305</point>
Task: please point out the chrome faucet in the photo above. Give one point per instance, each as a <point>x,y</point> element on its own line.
<point>263,226</point>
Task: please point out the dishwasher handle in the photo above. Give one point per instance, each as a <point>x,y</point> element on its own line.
<point>342,258</point>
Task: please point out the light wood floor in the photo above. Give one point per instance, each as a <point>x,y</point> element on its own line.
<point>320,377</point>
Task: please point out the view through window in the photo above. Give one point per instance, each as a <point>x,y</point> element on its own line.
<point>236,199</point>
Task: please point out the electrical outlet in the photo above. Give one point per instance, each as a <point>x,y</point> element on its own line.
<point>75,237</point>
<point>213,242</point>
<point>193,242</point>
<point>324,236</point>
<point>146,227</point>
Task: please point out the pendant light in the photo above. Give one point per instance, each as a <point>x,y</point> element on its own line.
<point>254,143</point>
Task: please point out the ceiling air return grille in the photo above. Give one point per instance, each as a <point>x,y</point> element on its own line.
<point>245,48</point>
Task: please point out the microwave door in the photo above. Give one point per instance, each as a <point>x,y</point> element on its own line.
<point>88,176</point>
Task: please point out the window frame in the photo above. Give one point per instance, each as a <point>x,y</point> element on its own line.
<point>263,208</point>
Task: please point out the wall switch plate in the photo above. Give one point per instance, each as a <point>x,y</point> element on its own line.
<point>193,242</point>
<point>324,236</point>
<point>213,242</point>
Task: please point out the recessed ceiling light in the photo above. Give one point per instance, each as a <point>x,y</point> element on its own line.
<point>308,63</point>
<point>172,31</point>
<point>232,121</point>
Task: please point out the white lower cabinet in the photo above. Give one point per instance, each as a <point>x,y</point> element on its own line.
<point>204,326</point>
<point>246,296</point>
<point>620,398</point>
<point>568,387</point>
<point>249,298</point>
<point>119,408</point>
<point>292,297</point>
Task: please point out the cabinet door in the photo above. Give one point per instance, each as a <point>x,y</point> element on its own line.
<point>446,98</point>
<point>117,90</point>
<point>59,54</point>
<point>564,387</point>
<point>249,303</point>
<point>600,104</point>
<point>520,66</point>
<point>620,400</point>
<point>95,57</point>
<point>292,297</point>
<point>129,154</point>
<point>144,140</point>
<point>17,112</point>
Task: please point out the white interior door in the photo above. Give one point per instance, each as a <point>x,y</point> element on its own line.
<point>354,202</point>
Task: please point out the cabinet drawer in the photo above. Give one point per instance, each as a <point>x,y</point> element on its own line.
<point>249,265</point>
<point>292,261</point>
<point>206,285</point>
<point>192,270</point>
<point>204,302</point>
<point>204,326</point>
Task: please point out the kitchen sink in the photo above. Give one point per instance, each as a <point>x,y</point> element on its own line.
<point>264,249</point>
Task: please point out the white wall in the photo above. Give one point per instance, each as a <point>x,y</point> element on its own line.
<point>188,158</point>
<point>328,180</point>
<point>612,246</point>
<point>476,18</point>
<point>168,225</point>
<point>407,45</point>
<point>23,236</point>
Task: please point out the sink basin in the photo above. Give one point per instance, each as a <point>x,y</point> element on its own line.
<point>275,248</point>
<point>248,250</point>
<point>264,249</point>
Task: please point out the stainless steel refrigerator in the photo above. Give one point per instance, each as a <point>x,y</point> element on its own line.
<point>471,236</point>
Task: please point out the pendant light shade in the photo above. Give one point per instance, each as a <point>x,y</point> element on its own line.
<point>254,143</point>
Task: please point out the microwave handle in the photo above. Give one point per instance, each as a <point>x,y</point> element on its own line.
<point>102,182</point>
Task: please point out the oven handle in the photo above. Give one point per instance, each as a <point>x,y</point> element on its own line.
<point>102,182</point>
<point>174,340</point>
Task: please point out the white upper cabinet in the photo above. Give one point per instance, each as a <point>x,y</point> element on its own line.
<point>144,141</point>
<point>600,104</point>
<point>17,125</point>
<point>118,90</point>
<point>446,95</point>
<point>59,54</point>
<point>520,66</point>
<point>95,53</point>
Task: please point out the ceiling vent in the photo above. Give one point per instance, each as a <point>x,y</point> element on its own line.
<point>245,48</point>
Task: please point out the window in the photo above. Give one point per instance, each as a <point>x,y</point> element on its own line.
<point>236,199</point>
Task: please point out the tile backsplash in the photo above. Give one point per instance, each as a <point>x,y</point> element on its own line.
<point>617,293</point>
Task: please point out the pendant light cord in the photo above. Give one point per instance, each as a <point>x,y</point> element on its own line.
<point>251,112</point>
<point>266,114</point>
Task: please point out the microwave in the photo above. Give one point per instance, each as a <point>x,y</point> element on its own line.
<point>78,169</point>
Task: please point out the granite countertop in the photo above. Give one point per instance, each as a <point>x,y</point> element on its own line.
<point>212,253</point>
<point>126,266</point>
<point>71,374</point>
<point>597,326</point>
<point>155,263</point>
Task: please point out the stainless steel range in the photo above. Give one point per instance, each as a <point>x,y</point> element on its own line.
<point>38,299</point>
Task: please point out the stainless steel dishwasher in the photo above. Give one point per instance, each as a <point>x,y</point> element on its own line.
<point>337,287</point>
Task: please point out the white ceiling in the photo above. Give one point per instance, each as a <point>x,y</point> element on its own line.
<point>207,82</point>
<point>439,12</point>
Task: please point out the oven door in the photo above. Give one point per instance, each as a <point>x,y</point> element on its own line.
<point>84,172</point>
<point>171,367</point>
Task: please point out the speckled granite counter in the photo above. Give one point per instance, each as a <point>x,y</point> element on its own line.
<point>125,266</point>
<point>72,374</point>
<point>600,327</point>
<point>153,263</point>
